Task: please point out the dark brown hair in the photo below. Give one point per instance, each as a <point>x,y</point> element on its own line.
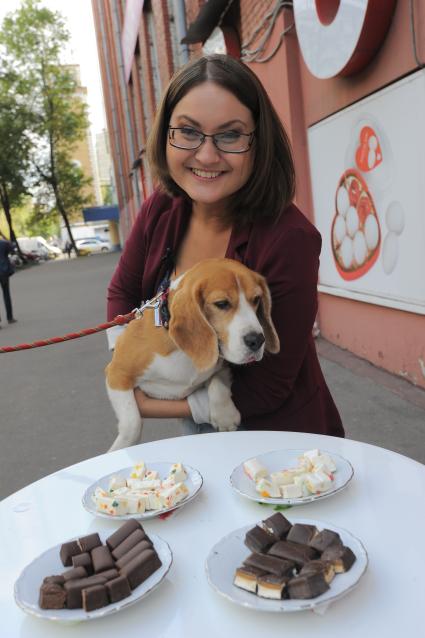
<point>271,185</point>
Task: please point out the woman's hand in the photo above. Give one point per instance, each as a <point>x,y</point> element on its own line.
<point>161,408</point>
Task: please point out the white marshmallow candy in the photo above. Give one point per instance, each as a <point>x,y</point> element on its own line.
<point>138,470</point>
<point>352,221</point>
<point>254,469</point>
<point>112,505</point>
<point>346,252</point>
<point>371,230</point>
<point>151,475</point>
<point>311,455</point>
<point>178,472</point>
<point>168,482</point>
<point>116,482</point>
<point>360,247</point>
<point>173,495</point>
<point>301,482</point>
<point>291,491</point>
<point>318,482</point>
<point>342,201</point>
<point>340,229</point>
<point>267,488</point>
<point>135,483</point>
<point>324,462</point>
<point>286,477</point>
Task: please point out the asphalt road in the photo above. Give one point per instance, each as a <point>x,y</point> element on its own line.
<point>53,405</point>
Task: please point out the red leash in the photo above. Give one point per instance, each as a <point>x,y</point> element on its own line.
<point>118,321</point>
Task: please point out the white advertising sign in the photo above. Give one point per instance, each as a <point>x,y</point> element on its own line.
<point>368,179</point>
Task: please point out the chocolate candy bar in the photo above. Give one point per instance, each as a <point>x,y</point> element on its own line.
<point>67,551</point>
<point>118,588</point>
<point>341,557</point>
<point>110,574</point>
<point>52,596</point>
<point>57,580</point>
<point>258,540</point>
<point>83,560</point>
<point>141,567</point>
<point>137,549</point>
<point>277,525</point>
<point>74,588</point>
<point>127,544</point>
<point>319,566</point>
<point>102,559</point>
<point>324,539</point>
<point>299,554</point>
<point>271,586</point>
<point>87,543</point>
<point>94,597</point>
<point>300,533</point>
<point>270,564</point>
<point>247,577</point>
<point>122,532</point>
<point>309,586</point>
<point>75,572</point>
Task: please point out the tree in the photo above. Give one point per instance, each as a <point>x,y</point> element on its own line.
<point>33,38</point>
<point>15,145</point>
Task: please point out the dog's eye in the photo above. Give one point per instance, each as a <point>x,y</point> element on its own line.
<point>223,304</point>
<point>256,300</point>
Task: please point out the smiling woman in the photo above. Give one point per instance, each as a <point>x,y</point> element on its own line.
<point>225,176</point>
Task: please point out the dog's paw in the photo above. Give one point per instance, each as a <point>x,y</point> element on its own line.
<point>225,418</point>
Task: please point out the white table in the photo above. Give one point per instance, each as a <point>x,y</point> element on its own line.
<point>383,506</point>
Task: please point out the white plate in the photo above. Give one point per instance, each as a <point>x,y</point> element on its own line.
<point>193,483</point>
<point>28,584</point>
<point>283,459</point>
<point>230,552</point>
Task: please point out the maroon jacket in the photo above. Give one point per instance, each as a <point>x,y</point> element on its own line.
<point>284,391</point>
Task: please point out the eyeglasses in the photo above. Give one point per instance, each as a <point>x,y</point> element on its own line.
<point>189,139</point>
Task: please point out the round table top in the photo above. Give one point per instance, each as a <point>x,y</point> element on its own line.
<point>382,506</point>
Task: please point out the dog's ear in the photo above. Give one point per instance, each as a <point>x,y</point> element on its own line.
<point>189,328</point>
<point>264,317</point>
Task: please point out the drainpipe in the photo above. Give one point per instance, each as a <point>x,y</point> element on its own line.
<point>180,18</point>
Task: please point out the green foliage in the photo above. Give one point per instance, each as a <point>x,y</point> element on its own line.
<point>31,43</point>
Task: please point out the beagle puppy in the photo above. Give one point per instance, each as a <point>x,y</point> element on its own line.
<point>219,311</point>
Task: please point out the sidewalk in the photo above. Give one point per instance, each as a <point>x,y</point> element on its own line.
<point>54,408</point>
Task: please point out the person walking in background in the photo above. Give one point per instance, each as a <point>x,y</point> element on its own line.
<point>68,248</point>
<point>6,270</point>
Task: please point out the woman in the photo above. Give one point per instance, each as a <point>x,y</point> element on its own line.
<point>226,176</point>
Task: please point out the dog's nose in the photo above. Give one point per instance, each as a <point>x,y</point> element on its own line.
<point>254,340</point>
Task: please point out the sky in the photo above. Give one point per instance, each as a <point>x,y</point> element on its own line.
<point>83,50</point>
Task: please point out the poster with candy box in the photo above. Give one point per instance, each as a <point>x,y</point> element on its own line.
<point>368,178</point>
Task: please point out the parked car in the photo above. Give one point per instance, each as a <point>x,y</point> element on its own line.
<point>92,245</point>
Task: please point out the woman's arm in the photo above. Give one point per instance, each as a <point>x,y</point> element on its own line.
<point>161,408</point>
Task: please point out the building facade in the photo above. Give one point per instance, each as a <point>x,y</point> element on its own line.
<point>348,81</point>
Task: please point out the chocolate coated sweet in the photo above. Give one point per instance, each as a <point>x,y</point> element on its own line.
<point>57,580</point>
<point>127,544</point>
<point>75,572</point>
<point>301,533</point>
<point>247,577</point>
<point>118,588</point>
<point>109,574</point>
<point>270,564</point>
<point>277,525</point>
<point>94,597</point>
<point>87,543</point>
<point>271,586</point>
<point>122,532</point>
<point>74,588</point>
<point>296,552</point>
<point>52,596</point>
<point>324,539</point>
<point>319,566</point>
<point>141,567</point>
<point>137,549</point>
<point>67,551</point>
<point>308,586</point>
<point>341,557</point>
<point>258,540</point>
<point>102,559</point>
<point>83,560</point>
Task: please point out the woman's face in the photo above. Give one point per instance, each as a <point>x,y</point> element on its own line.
<point>208,175</point>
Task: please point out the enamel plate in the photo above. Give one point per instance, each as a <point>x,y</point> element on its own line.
<point>284,459</point>
<point>193,483</point>
<point>230,552</point>
<point>28,584</point>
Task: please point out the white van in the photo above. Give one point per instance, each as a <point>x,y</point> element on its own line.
<point>38,246</point>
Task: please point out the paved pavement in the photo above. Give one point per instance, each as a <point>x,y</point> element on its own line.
<point>53,406</point>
